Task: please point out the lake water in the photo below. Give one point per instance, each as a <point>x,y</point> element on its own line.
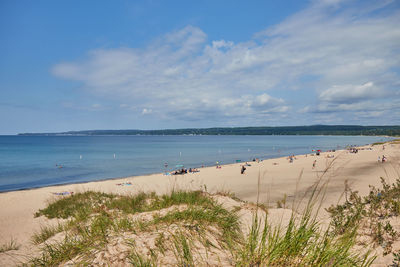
<point>33,161</point>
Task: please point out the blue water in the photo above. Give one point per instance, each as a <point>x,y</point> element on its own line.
<point>30,161</point>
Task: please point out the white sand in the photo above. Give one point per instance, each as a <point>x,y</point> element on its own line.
<point>277,177</point>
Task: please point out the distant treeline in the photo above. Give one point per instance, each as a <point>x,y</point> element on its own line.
<point>285,130</point>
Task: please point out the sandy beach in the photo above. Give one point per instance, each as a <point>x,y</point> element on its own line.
<point>272,178</point>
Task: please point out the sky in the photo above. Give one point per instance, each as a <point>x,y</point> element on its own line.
<point>153,64</point>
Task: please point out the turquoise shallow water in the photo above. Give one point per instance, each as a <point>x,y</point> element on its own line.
<point>32,161</point>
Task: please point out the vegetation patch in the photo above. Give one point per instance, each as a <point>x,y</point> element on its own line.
<point>302,243</point>
<point>95,219</point>
<point>370,214</point>
<point>83,203</point>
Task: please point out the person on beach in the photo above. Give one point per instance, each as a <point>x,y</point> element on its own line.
<point>314,163</point>
<point>243,169</point>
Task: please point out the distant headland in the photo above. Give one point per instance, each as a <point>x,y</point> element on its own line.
<point>280,130</point>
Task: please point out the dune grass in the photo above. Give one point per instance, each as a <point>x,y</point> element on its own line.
<point>91,202</point>
<point>45,233</point>
<point>8,246</point>
<point>138,260</point>
<point>182,250</point>
<point>94,217</point>
<point>83,203</point>
<point>302,243</point>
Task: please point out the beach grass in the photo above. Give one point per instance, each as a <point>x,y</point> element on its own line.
<point>90,202</point>
<point>46,232</point>
<point>138,260</point>
<point>303,241</point>
<point>81,202</point>
<point>95,217</point>
<point>8,246</point>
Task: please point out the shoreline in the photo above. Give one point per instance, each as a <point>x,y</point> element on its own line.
<point>88,182</point>
<point>108,179</point>
<point>161,173</point>
<point>141,175</point>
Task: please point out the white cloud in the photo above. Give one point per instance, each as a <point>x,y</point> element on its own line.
<point>351,93</point>
<point>351,50</point>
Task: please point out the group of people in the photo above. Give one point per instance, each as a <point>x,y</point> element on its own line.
<point>180,171</point>
<point>183,171</point>
<point>353,150</point>
<point>384,159</point>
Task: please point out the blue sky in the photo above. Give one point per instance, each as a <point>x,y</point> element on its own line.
<point>76,65</point>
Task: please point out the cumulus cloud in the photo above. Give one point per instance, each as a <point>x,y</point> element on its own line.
<point>351,93</point>
<point>350,49</point>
